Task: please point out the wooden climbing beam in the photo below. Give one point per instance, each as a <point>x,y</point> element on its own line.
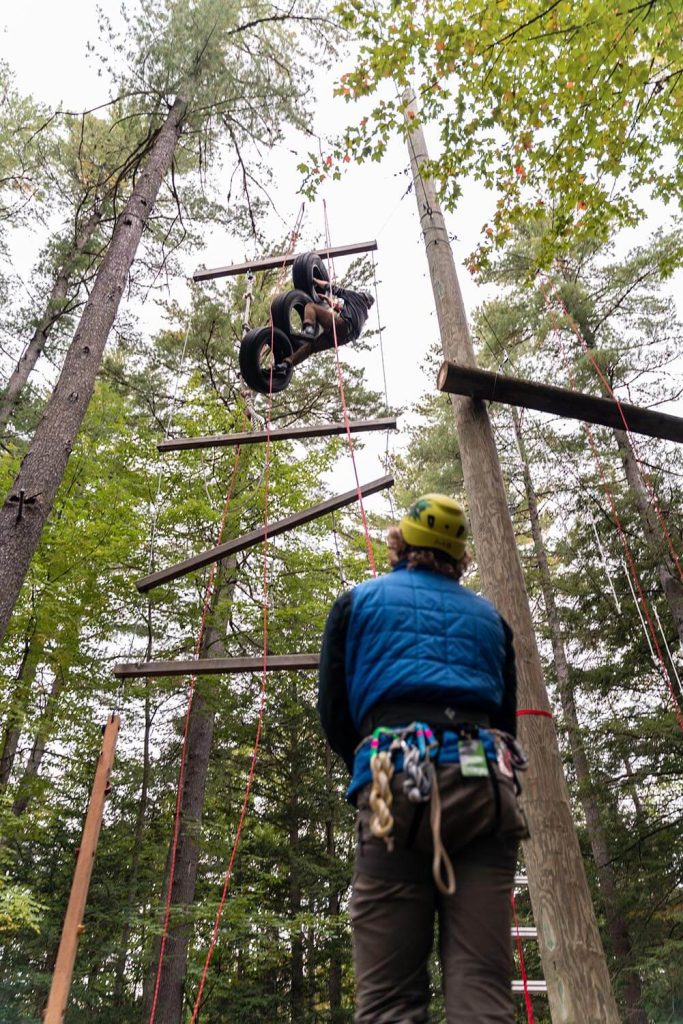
<point>475,383</point>
<point>217,666</point>
<point>275,262</point>
<point>177,444</point>
<point>248,540</point>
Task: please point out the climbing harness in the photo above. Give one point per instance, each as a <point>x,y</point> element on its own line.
<point>415,742</point>
<point>414,750</point>
<point>418,769</point>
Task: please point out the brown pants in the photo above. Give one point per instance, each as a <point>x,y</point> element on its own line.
<point>315,314</point>
<point>394,905</point>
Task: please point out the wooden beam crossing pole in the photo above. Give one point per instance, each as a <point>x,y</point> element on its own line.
<point>73,920</point>
<point>275,262</point>
<point>248,540</point>
<point>574,964</point>
<point>216,666</point>
<point>179,444</point>
<point>493,387</point>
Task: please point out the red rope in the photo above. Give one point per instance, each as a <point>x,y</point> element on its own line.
<point>262,699</point>
<point>208,594</point>
<point>535,711</point>
<point>345,411</point>
<point>608,388</point>
<point>525,980</point>
<point>619,528</point>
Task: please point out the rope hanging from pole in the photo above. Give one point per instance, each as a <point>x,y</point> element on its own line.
<point>522,967</point>
<point>208,594</point>
<point>345,411</point>
<point>619,525</point>
<point>262,696</point>
<point>608,388</point>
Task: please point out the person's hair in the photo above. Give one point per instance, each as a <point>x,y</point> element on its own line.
<point>424,558</point>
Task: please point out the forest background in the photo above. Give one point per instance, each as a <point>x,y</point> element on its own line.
<point>283,947</point>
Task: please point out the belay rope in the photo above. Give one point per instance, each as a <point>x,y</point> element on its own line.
<point>416,742</point>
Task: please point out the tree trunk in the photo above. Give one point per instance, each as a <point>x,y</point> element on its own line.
<point>171,989</point>
<point>53,311</point>
<point>38,750</point>
<point>574,962</point>
<point>334,982</point>
<point>296,983</point>
<point>26,508</point>
<point>616,923</point>
<point>33,649</point>
<point>671,584</point>
<point>136,852</point>
<point>667,571</point>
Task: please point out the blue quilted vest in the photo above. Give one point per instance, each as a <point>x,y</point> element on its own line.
<point>417,635</point>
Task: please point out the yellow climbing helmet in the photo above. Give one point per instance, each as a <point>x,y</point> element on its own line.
<point>436,521</point>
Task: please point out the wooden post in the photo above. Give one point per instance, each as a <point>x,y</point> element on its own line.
<point>574,965</point>
<point>73,920</point>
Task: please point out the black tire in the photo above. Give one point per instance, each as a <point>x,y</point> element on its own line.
<point>282,308</point>
<point>305,267</point>
<point>255,359</point>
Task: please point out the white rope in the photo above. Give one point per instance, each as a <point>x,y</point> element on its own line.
<point>605,566</point>
<point>640,615</point>
<point>666,645</point>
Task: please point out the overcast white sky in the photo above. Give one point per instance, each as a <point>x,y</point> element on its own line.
<point>45,44</point>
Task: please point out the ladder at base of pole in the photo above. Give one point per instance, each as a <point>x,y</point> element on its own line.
<point>533,987</point>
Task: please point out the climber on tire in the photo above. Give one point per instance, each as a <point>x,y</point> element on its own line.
<point>325,314</point>
<point>340,314</point>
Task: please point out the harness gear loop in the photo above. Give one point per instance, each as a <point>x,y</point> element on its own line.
<point>442,866</point>
<point>381,797</point>
<point>419,773</point>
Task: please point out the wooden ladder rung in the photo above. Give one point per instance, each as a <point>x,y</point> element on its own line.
<point>177,444</point>
<point>248,540</point>
<point>536,986</point>
<point>281,260</point>
<point>524,932</point>
<point>216,666</point>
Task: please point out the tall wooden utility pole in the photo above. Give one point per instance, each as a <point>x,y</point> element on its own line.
<point>73,921</point>
<point>574,965</point>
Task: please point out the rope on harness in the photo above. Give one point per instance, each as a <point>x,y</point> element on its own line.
<point>381,797</point>
<point>420,785</point>
<point>442,866</point>
<point>417,784</point>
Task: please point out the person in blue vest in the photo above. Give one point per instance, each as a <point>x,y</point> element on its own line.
<point>417,693</point>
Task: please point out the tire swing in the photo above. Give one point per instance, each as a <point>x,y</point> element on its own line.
<point>281,310</point>
<point>305,267</point>
<point>255,359</point>
<point>255,349</point>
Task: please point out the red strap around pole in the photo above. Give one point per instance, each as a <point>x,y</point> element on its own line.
<point>535,711</point>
